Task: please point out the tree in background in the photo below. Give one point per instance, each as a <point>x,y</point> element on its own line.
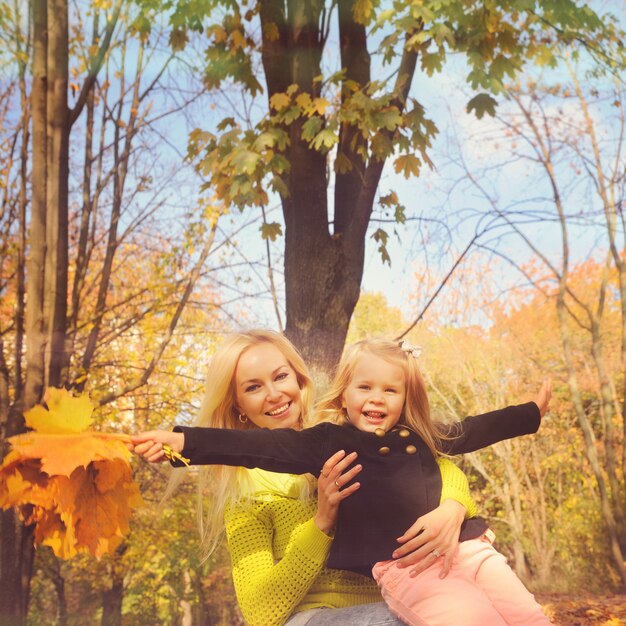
<point>327,132</point>
<point>569,140</point>
<point>86,263</point>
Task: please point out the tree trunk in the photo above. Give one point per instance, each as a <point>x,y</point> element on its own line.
<point>16,547</point>
<point>319,306</point>
<point>58,581</point>
<point>112,603</point>
<point>46,271</point>
<point>57,161</point>
<point>113,596</point>
<point>590,443</point>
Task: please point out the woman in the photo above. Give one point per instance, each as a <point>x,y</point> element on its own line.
<point>277,536</point>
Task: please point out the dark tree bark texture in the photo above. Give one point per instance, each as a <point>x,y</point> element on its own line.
<point>320,303</point>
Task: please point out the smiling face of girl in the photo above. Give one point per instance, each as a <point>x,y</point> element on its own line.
<point>375,395</point>
<point>266,388</point>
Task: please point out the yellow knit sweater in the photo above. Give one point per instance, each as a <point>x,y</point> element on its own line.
<point>278,553</point>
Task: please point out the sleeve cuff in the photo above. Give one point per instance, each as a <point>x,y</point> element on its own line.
<point>314,543</point>
<point>454,486</point>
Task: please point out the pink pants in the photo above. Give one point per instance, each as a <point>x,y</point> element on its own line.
<point>480,590</point>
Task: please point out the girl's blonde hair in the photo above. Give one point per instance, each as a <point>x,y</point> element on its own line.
<point>218,410</point>
<point>416,411</point>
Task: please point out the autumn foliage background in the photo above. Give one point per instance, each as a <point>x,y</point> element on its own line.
<point>471,153</point>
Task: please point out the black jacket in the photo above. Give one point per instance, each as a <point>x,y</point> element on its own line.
<point>400,479</point>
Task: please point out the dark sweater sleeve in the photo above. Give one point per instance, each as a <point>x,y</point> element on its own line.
<point>480,431</point>
<point>279,450</point>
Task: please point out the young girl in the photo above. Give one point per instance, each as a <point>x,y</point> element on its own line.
<point>379,398</point>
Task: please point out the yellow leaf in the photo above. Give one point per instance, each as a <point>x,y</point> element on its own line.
<point>408,164</point>
<point>75,487</point>
<point>362,11</point>
<point>52,531</point>
<point>239,41</point>
<point>303,100</point>
<point>320,105</point>
<point>279,101</point>
<point>65,414</point>
<point>219,33</point>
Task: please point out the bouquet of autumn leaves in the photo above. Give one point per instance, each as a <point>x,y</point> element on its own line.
<point>75,485</point>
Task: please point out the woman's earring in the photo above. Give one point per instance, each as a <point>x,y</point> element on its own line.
<point>243,419</point>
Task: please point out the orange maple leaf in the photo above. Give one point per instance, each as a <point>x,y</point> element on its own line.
<point>76,486</point>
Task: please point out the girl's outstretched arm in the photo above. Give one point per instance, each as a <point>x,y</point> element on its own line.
<point>481,431</point>
<point>543,397</point>
<point>149,444</point>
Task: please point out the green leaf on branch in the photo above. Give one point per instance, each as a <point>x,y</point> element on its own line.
<point>271,231</point>
<point>311,127</point>
<point>246,161</point>
<point>278,185</point>
<point>388,118</point>
<point>226,122</point>
<point>291,114</point>
<point>481,104</point>
<point>443,33</point>
<point>343,165</point>
<point>266,139</point>
<point>407,164</point>
<point>279,164</point>
<point>432,63</point>
<point>324,140</point>
<point>381,237</point>
<point>502,65</point>
<point>391,201</point>
<point>382,146</point>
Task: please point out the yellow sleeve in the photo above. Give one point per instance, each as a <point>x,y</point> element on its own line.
<point>269,591</point>
<point>454,485</point>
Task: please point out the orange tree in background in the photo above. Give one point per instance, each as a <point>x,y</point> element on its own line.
<point>569,139</point>
<point>539,493</point>
<point>85,263</point>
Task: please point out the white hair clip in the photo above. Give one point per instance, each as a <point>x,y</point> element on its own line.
<point>409,348</point>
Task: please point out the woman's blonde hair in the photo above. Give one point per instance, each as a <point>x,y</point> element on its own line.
<point>218,410</point>
<point>416,411</point>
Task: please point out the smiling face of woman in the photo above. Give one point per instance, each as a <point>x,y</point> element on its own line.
<point>267,390</point>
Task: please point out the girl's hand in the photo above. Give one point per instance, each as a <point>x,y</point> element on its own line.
<point>331,488</point>
<point>434,536</point>
<point>542,399</point>
<point>149,444</point>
